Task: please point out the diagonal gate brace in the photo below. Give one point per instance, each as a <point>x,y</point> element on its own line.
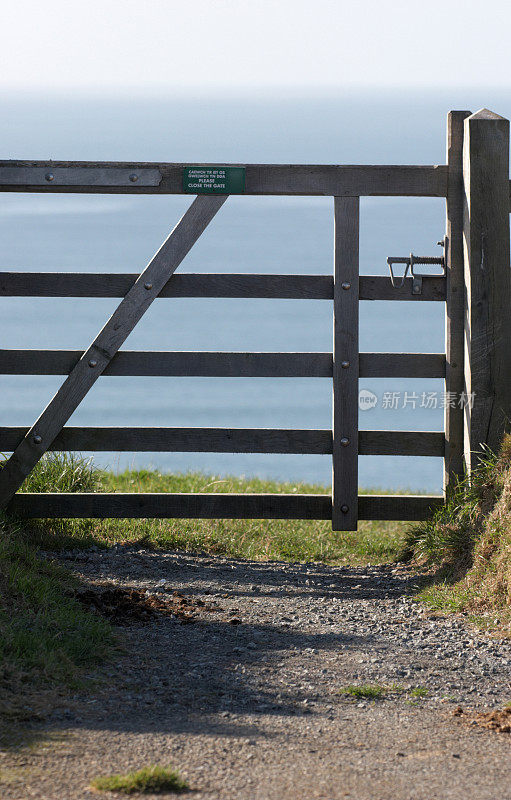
<point>104,347</point>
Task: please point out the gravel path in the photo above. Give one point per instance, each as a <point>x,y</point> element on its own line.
<point>245,700</point>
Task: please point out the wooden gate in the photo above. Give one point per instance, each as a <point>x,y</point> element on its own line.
<point>213,184</point>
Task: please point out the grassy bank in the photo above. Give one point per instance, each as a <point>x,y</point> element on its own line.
<point>466,546</point>
<point>47,639</point>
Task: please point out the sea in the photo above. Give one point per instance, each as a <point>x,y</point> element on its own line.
<point>102,233</point>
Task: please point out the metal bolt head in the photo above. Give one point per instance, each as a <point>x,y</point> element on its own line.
<point>37,439</point>
<point>148,286</point>
<point>133,178</point>
<point>345,285</point>
<point>416,289</point>
<point>345,509</point>
<point>49,176</point>
<point>93,363</point>
<point>345,364</point>
<point>344,441</point>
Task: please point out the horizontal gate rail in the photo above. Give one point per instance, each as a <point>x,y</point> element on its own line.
<point>277,179</point>
<point>401,443</point>
<point>379,287</point>
<point>402,365</point>
<point>238,285</point>
<point>174,364</point>
<point>226,365</point>
<point>284,287</point>
<point>230,440</point>
<point>217,506</point>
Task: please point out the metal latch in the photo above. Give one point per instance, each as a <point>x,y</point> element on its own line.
<point>410,262</point>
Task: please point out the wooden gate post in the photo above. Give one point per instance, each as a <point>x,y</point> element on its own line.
<point>454,337</point>
<point>487,283</point>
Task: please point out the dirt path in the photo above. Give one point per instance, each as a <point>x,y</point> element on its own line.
<point>245,700</point>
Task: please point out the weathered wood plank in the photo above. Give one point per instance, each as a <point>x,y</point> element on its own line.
<point>345,365</point>
<point>229,440</point>
<point>379,287</point>
<point>182,440</point>
<point>398,507</point>
<point>168,363</point>
<point>269,179</point>
<point>105,345</point>
<point>454,308</point>
<point>224,365</point>
<point>487,282</point>
<point>167,505</point>
<point>68,284</point>
<point>215,506</point>
<point>298,287</point>
<point>94,176</point>
<point>401,443</point>
<point>401,365</point>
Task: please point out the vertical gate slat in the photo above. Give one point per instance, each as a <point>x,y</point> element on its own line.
<point>454,301</point>
<point>345,365</point>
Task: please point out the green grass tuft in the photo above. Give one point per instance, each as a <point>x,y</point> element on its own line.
<point>63,472</point>
<point>152,779</point>
<point>378,691</point>
<point>448,537</point>
<point>368,691</point>
<point>419,692</point>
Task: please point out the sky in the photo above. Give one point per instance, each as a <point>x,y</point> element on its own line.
<point>105,45</point>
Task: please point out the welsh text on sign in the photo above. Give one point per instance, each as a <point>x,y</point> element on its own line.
<point>214,180</point>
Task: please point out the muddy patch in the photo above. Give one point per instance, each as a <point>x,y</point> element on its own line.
<point>127,606</point>
<point>498,720</point>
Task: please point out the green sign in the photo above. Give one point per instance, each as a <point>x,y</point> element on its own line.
<point>214,180</point>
